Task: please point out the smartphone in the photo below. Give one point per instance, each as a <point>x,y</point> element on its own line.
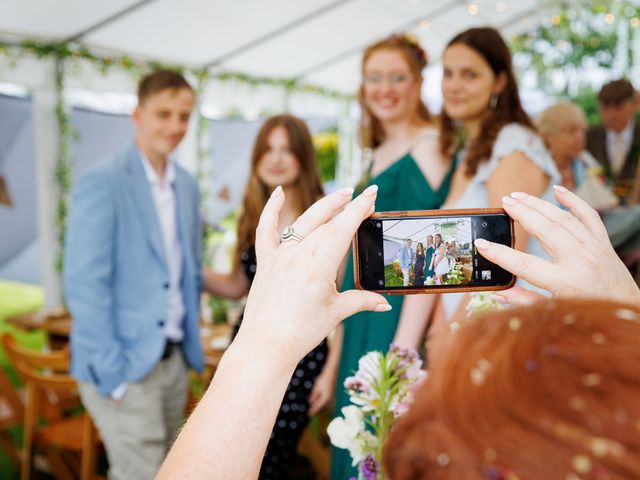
<point>431,251</point>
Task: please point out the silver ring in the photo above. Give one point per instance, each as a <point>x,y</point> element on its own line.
<point>290,234</point>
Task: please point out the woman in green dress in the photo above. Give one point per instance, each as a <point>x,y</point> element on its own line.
<point>411,174</point>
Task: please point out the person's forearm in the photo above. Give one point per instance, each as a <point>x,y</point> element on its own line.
<point>226,285</point>
<point>228,431</point>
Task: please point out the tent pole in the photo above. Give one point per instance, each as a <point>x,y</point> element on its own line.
<point>46,153</point>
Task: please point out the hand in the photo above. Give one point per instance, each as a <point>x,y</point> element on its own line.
<point>584,263</point>
<point>322,392</point>
<point>293,303</point>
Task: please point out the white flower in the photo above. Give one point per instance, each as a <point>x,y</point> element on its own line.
<point>369,367</point>
<point>344,432</point>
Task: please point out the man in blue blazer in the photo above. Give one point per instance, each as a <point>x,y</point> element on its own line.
<point>406,260</point>
<point>132,278</point>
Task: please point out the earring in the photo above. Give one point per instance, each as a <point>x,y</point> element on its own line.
<point>493,103</point>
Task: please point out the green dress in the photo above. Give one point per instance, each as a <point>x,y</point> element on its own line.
<point>402,186</point>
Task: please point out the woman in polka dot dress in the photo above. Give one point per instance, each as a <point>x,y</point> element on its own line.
<point>282,155</point>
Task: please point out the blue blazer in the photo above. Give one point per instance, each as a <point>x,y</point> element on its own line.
<point>115,274</point>
<point>406,257</point>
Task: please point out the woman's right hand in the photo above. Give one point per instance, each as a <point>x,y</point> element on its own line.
<point>583,265</point>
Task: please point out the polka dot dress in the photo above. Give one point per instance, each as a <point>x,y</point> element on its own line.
<point>293,415</point>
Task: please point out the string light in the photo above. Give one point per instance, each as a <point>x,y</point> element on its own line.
<point>555,19</point>
<point>424,24</point>
<point>501,7</point>
<point>609,18</point>
<point>472,9</point>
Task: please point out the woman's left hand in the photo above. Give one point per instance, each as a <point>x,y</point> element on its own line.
<point>293,303</point>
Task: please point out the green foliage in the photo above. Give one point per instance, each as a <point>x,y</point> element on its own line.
<point>391,277</point>
<point>576,40</point>
<point>454,276</point>
<point>326,149</point>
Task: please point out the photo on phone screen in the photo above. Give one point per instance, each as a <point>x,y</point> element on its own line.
<point>431,252</point>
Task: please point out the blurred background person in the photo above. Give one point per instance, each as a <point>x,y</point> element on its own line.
<point>500,151</point>
<point>400,140</point>
<point>563,127</point>
<point>616,142</point>
<point>282,155</point>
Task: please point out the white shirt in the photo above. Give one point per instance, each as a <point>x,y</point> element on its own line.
<point>624,139</point>
<point>164,199</point>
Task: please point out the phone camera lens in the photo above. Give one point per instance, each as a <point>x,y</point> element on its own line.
<point>378,224</point>
<point>484,224</point>
<point>381,282</point>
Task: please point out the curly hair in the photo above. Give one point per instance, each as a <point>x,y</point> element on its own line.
<point>371,132</point>
<point>488,43</point>
<point>542,392</point>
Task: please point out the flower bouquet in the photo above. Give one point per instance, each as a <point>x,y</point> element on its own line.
<point>380,391</point>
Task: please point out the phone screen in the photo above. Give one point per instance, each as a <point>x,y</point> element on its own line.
<point>431,252</point>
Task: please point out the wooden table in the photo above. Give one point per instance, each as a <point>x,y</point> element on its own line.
<point>57,322</point>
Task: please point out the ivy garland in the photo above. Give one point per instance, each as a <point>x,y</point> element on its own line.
<point>62,171</point>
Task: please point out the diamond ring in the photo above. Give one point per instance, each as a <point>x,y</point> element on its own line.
<point>290,234</point>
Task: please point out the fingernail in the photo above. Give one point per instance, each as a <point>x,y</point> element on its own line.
<point>347,192</point>
<point>560,188</point>
<point>276,191</point>
<point>497,298</point>
<point>373,209</point>
<point>481,243</point>
<point>382,307</point>
<point>509,201</point>
<point>519,195</point>
<point>371,191</point>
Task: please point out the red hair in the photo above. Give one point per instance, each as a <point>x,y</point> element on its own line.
<point>547,392</point>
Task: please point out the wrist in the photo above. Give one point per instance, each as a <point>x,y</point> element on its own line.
<point>248,347</point>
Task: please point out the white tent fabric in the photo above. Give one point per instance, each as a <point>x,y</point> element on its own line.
<point>316,41</point>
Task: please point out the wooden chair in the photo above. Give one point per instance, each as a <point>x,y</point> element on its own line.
<point>11,415</point>
<point>44,375</point>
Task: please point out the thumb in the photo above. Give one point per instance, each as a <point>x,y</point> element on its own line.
<point>517,297</point>
<point>355,301</point>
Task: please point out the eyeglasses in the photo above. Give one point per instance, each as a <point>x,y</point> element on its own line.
<point>392,78</point>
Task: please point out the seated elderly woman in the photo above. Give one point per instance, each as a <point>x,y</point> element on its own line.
<point>563,127</point>
<point>588,428</point>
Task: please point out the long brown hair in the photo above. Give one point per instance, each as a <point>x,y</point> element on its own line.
<point>371,132</point>
<point>488,43</point>
<point>257,193</point>
<point>543,392</point>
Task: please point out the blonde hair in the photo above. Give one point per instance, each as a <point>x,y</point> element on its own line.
<point>558,116</point>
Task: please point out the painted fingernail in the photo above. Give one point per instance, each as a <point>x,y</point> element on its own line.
<point>371,191</point>
<point>276,191</point>
<point>560,188</point>
<point>519,195</point>
<point>509,201</point>
<point>382,307</point>
<point>481,243</point>
<point>347,192</point>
